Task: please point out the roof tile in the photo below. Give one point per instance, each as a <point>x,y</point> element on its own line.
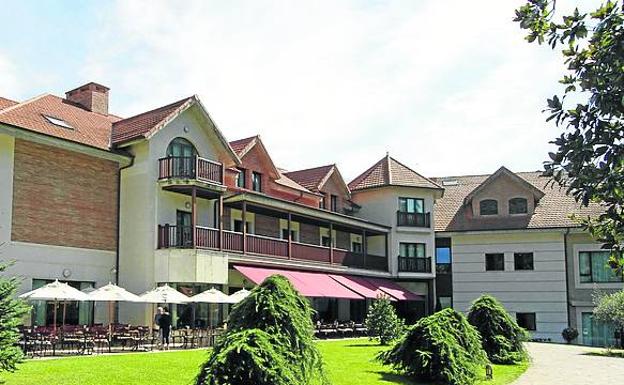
<point>390,172</point>
<point>311,178</point>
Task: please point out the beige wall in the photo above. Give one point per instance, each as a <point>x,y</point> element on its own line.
<point>502,190</point>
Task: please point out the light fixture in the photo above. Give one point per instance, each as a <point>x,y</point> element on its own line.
<point>187,205</point>
<point>185,129</point>
<point>67,273</point>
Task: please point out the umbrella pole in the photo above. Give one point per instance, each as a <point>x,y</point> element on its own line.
<point>64,312</point>
<point>55,304</point>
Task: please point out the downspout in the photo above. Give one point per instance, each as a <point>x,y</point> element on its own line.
<point>567,278</point>
<point>118,231</point>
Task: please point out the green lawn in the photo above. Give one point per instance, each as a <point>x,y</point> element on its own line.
<point>347,362</point>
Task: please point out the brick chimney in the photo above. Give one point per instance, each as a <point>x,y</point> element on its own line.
<point>92,96</point>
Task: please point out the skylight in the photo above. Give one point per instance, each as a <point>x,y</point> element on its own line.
<point>450,182</point>
<point>58,122</point>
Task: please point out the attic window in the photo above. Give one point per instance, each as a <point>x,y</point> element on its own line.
<point>58,122</point>
<point>450,182</point>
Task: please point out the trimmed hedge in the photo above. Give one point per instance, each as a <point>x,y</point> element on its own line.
<point>269,341</point>
<point>443,347</point>
<point>501,336</point>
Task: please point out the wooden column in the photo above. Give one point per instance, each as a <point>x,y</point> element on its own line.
<point>222,174</point>
<point>331,243</point>
<point>289,235</point>
<point>387,252</point>
<point>194,215</point>
<point>220,208</point>
<point>364,248</point>
<point>244,217</point>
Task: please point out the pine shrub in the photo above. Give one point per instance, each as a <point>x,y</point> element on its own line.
<point>11,312</point>
<point>443,347</point>
<point>501,336</point>
<point>271,332</point>
<point>382,321</point>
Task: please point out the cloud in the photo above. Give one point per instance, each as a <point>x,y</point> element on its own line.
<point>9,82</point>
<point>447,87</point>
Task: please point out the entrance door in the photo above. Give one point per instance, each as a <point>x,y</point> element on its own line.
<point>184,231</point>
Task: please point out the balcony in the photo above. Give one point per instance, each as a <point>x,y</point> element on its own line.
<point>179,173</point>
<point>414,219</point>
<point>414,265</point>
<point>171,236</point>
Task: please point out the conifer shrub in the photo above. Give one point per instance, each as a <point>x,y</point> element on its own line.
<point>501,336</point>
<point>271,332</point>
<point>382,321</point>
<point>12,310</point>
<point>443,348</point>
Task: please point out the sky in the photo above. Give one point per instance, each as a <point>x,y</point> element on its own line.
<point>446,87</point>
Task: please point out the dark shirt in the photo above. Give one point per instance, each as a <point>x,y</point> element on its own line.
<point>164,321</point>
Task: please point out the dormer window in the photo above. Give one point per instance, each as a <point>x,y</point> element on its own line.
<point>518,206</point>
<point>488,207</point>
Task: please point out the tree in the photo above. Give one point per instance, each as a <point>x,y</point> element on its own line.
<point>11,312</point>
<point>382,321</point>
<point>269,341</point>
<point>589,160</point>
<point>443,347</point>
<point>501,337</point>
<point>610,308</point>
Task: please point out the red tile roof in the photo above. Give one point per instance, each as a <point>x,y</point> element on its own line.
<point>311,178</point>
<point>87,127</point>
<point>553,209</point>
<point>241,146</point>
<point>5,103</point>
<point>141,125</point>
<point>390,172</point>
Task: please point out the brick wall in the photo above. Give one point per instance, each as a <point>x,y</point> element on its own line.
<point>63,198</point>
<point>267,226</point>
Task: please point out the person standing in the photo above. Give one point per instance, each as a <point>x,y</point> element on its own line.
<point>156,323</point>
<point>164,322</point>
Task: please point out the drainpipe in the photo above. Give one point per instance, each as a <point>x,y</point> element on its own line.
<point>567,278</point>
<point>118,231</point>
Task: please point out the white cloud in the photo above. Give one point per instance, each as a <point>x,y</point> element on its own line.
<point>447,87</point>
<point>9,83</point>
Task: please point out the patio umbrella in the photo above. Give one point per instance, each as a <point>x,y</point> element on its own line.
<point>239,295</point>
<point>163,294</point>
<point>112,293</point>
<point>55,291</point>
<point>211,296</point>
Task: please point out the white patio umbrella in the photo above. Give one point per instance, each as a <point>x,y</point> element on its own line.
<point>211,296</point>
<point>112,293</point>
<point>55,291</point>
<point>163,294</point>
<point>239,295</point>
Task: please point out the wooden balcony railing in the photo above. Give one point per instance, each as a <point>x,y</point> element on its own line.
<point>190,167</point>
<point>414,265</point>
<point>413,219</point>
<point>172,236</point>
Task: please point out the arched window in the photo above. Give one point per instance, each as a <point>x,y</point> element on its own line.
<point>518,206</point>
<point>180,147</point>
<point>488,207</point>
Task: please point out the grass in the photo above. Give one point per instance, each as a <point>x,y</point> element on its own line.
<point>347,362</point>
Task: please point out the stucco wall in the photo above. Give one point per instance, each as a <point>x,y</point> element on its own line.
<point>542,290</point>
<point>502,190</point>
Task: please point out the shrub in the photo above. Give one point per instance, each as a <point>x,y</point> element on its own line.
<point>443,347</point>
<point>569,334</point>
<point>11,312</point>
<point>382,321</point>
<point>501,336</point>
<point>610,308</point>
<point>272,331</point>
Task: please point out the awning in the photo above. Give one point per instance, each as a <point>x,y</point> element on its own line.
<point>394,289</point>
<point>361,286</point>
<point>307,283</point>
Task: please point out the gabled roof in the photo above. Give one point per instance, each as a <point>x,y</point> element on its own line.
<point>315,178</point>
<point>146,124</point>
<point>553,210</point>
<point>242,146</point>
<point>86,127</point>
<point>390,172</point>
<point>5,103</point>
<point>503,171</point>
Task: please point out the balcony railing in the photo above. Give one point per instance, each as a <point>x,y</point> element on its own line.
<point>413,219</point>
<point>414,265</point>
<point>172,236</point>
<point>190,167</point>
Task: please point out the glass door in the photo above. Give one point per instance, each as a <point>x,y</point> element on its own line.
<point>184,231</point>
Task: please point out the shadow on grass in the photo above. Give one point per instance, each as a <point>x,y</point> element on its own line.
<point>396,378</point>
<point>366,345</point>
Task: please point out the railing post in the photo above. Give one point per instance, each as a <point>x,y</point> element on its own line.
<point>331,243</point>
<point>244,217</point>
<point>289,235</point>
<point>222,174</point>
<point>194,216</point>
<point>220,222</point>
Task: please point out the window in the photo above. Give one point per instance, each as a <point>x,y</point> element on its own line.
<point>593,267</point>
<point>526,320</point>
<point>322,202</point>
<point>523,261</point>
<point>411,205</point>
<point>412,250</point>
<point>240,178</point>
<point>495,262</point>
<point>238,226</point>
<point>445,302</point>
<point>334,203</point>
<point>256,181</point>
<point>58,122</point>
<point>180,147</point>
<point>518,206</point>
<point>488,207</point>
<point>597,333</point>
<point>356,247</point>
<point>443,259</point>
<point>293,234</point>
<point>76,313</point>
<point>325,240</point>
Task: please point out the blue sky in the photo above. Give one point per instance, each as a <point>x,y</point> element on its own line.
<point>447,87</point>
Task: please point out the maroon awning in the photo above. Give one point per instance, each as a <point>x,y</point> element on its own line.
<point>361,286</point>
